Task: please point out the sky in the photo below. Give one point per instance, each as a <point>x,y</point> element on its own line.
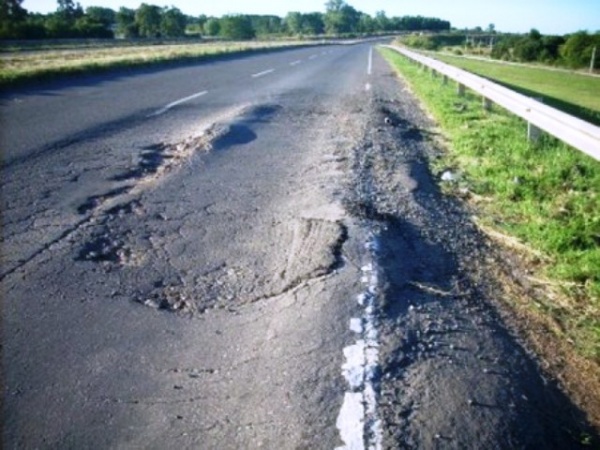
<point>548,16</point>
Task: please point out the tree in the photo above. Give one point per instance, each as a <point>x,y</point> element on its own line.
<point>126,25</point>
<point>236,27</point>
<point>312,23</point>
<point>551,48</point>
<point>266,25</point>
<point>367,24</point>
<point>577,50</point>
<point>195,25</point>
<point>340,17</point>
<point>97,22</point>
<point>212,27</point>
<point>11,10</point>
<point>298,23</point>
<point>12,18</point>
<point>69,10</point>
<point>293,22</point>
<point>382,23</point>
<point>148,19</point>
<point>535,35</point>
<point>104,16</point>
<point>172,23</point>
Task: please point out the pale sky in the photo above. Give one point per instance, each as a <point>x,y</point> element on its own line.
<point>548,16</point>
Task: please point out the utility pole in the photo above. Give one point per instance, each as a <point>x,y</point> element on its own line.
<point>593,62</point>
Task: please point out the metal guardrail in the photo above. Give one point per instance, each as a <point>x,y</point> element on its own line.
<point>577,133</point>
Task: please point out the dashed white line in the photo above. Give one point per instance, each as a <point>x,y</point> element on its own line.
<point>178,102</point>
<point>295,63</point>
<point>313,56</point>
<point>262,74</point>
<point>370,63</point>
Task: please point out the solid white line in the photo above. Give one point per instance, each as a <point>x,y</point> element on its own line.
<point>262,74</point>
<point>370,65</point>
<point>178,102</point>
<point>295,63</point>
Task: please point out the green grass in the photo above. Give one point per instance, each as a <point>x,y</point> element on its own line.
<point>572,92</point>
<point>547,195</point>
<point>19,66</point>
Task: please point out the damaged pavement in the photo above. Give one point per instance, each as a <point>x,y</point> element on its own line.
<point>190,281</point>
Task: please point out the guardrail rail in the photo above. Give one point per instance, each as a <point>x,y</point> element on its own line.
<point>575,132</point>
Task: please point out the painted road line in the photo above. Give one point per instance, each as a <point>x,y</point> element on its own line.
<point>313,56</point>
<point>295,63</point>
<point>368,87</point>
<point>370,63</point>
<point>262,74</point>
<point>358,421</point>
<point>178,102</point>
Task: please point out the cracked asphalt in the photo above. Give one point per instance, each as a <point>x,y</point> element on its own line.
<point>182,251</point>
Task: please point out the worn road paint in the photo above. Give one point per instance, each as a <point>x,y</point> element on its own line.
<point>358,422</point>
<point>178,102</point>
<point>262,74</point>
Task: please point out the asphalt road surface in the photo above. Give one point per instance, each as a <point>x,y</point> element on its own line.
<point>249,253</point>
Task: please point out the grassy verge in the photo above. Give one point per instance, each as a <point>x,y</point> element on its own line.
<point>19,66</point>
<point>542,200</point>
<point>575,93</point>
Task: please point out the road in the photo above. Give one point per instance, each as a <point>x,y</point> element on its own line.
<point>249,253</point>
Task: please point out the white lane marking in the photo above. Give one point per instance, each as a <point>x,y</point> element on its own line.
<point>358,421</point>
<point>178,102</point>
<point>368,87</point>
<point>262,74</point>
<point>295,63</point>
<point>370,64</point>
<point>313,56</point>
<point>350,422</point>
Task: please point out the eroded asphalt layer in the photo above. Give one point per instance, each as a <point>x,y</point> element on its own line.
<point>286,275</point>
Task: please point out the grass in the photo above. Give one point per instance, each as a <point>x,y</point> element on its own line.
<point>575,93</point>
<point>19,66</point>
<point>544,196</point>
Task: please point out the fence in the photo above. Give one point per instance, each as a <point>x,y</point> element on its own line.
<point>577,133</point>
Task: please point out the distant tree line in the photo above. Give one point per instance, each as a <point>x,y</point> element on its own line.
<point>70,20</point>
<point>574,50</point>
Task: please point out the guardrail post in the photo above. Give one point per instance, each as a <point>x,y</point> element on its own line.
<point>460,90</point>
<point>487,104</point>
<point>533,132</point>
